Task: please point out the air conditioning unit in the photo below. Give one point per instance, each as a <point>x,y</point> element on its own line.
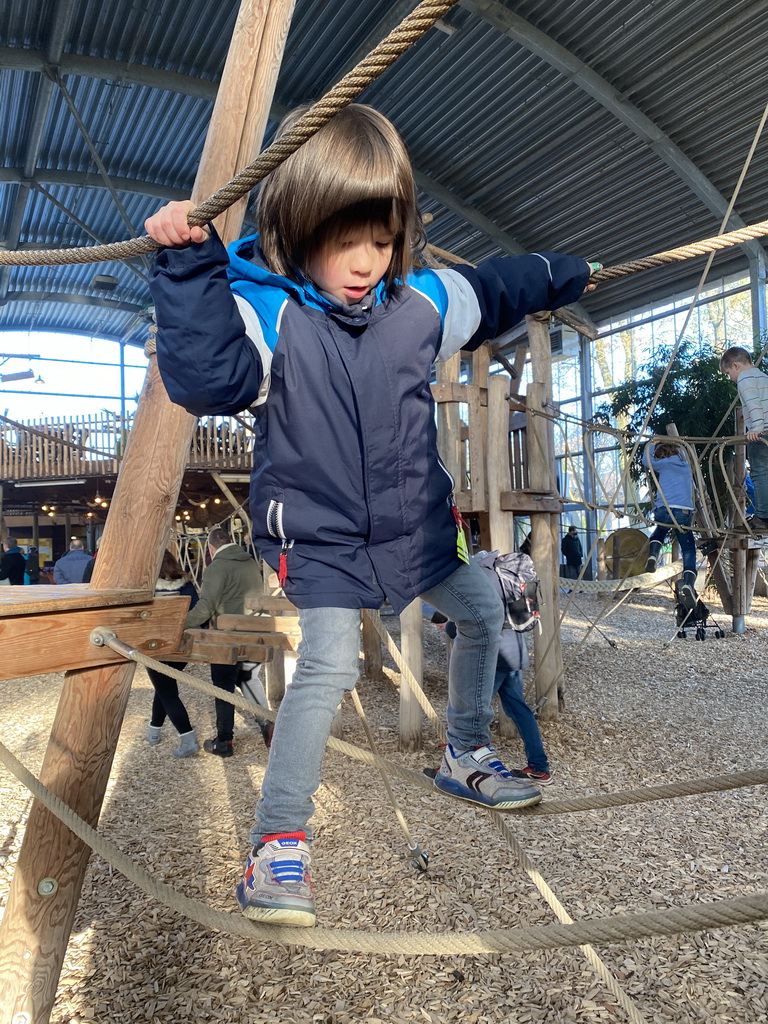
<point>564,342</point>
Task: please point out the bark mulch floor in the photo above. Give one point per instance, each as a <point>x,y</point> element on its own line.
<point>643,713</point>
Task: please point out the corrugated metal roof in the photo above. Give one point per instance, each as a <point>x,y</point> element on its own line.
<point>502,116</point>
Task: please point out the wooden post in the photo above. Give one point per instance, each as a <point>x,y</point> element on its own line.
<point>35,928</point>
<point>501,524</point>
<point>545,532</point>
<point>372,650</point>
<point>449,424</point>
<point>413,654</point>
<point>739,598</point>
<point>548,658</point>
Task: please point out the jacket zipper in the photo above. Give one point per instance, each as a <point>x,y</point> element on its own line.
<point>275,528</point>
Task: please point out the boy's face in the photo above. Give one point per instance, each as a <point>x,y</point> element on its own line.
<point>347,268</point>
<point>734,370</point>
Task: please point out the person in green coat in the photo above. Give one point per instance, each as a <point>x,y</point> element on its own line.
<point>231,577</point>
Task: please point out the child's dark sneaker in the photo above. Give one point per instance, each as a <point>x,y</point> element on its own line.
<point>222,748</point>
<point>276,886</point>
<point>540,778</point>
<point>480,777</point>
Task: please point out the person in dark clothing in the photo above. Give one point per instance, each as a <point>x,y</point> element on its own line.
<point>231,576</point>
<point>70,567</point>
<point>32,568</point>
<point>572,552</point>
<point>167,703</point>
<point>12,564</point>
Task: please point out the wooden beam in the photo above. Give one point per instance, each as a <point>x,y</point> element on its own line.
<point>528,502</point>
<point>259,623</point>
<point>273,604</point>
<point>64,598</point>
<point>281,641</point>
<point>35,928</point>
<point>61,641</point>
<point>215,653</point>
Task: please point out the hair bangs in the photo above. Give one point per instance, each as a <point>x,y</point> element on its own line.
<point>355,171</point>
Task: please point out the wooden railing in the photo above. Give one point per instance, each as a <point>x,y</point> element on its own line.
<point>85,446</point>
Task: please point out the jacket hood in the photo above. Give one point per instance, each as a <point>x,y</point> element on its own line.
<point>247,267</point>
<point>232,553</point>
<point>170,586</point>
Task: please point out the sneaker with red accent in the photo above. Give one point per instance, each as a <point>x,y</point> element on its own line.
<point>540,778</point>
<point>480,777</point>
<point>276,887</point>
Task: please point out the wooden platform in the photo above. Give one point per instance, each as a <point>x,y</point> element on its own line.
<point>65,598</point>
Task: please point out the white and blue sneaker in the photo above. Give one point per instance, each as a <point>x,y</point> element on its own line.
<point>276,886</point>
<point>480,777</point>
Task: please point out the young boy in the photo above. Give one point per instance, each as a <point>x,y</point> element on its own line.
<point>752,385</point>
<point>321,326</point>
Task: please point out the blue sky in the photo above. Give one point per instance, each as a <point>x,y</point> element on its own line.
<point>74,366</point>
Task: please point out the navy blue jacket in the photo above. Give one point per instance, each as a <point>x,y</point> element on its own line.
<point>346,481</point>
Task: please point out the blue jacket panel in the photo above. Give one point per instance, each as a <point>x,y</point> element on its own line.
<point>346,469</point>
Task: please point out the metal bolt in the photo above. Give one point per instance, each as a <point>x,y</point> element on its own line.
<point>145,614</point>
<point>21,1018</point>
<point>48,887</point>
<point>152,645</point>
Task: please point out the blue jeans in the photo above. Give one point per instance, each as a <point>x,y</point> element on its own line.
<point>328,666</point>
<point>757,453</point>
<point>664,524</point>
<point>509,686</point>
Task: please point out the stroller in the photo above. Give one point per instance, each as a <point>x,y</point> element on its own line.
<point>699,618</point>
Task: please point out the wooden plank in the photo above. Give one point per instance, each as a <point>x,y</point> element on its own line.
<point>282,641</point>
<point>266,603</point>
<point>526,502</point>
<point>452,391</point>
<point>222,653</point>
<point>60,641</point>
<point>259,623</point>
<point>64,598</point>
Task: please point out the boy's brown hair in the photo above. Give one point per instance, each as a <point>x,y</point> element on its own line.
<point>666,449</point>
<point>735,355</point>
<point>355,171</point>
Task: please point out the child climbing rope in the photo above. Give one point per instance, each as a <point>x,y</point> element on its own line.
<point>752,385</point>
<point>323,328</point>
<point>674,511</point>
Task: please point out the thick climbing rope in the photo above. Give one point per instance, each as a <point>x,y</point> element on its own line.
<point>599,931</point>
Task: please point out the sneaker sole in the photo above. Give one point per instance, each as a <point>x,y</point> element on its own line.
<point>462,793</point>
<point>281,916</point>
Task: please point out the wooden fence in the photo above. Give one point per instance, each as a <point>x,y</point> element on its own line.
<point>59,448</point>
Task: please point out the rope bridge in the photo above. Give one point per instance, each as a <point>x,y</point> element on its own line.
<point>601,931</point>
